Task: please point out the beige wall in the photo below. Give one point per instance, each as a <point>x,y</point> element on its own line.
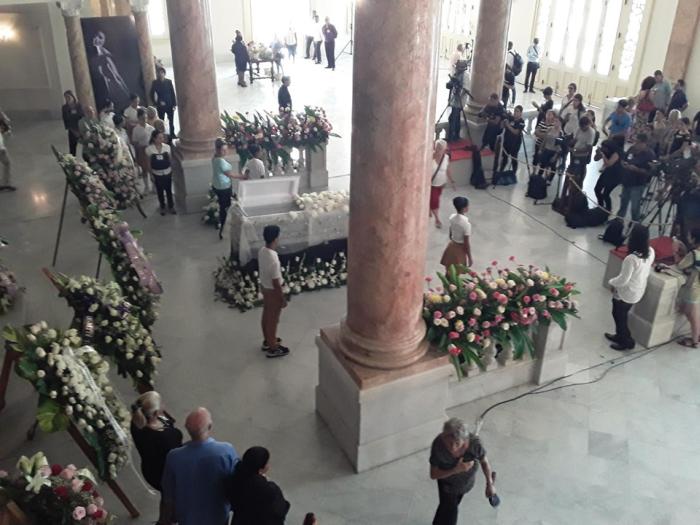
<point>522,20</point>
<point>692,79</point>
<point>658,34</point>
<point>35,65</point>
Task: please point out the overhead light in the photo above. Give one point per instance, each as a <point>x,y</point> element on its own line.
<point>7,33</point>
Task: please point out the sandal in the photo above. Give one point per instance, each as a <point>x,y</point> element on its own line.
<point>688,343</point>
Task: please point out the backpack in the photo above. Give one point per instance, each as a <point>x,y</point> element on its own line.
<point>614,233</point>
<point>517,64</point>
<point>537,188</point>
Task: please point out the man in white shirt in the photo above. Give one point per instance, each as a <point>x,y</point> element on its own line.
<point>255,168</point>
<point>141,138</point>
<point>131,113</point>
<point>456,57</point>
<point>5,181</point>
<point>270,272</point>
<point>533,64</point>
<point>310,32</point>
<point>582,148</point>
<point>318,39</point>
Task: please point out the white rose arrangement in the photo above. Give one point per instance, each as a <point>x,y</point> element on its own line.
<point>325,201</point>
<point>73,386</point>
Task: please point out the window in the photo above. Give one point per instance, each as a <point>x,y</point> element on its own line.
<point>543,21</point>
<point>629,47</point>
<point>591,34</point>
<point>157,18</point>
<point>609,36</point>
<point>573,32</point>
<point>561,15</point>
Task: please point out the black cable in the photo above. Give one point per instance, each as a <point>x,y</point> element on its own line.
<point>542,389</point>
<point>555,232</point>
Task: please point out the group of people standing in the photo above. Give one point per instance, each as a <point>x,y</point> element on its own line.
<point>202,480</point>
<point>141,132</point>
<point>317,34</point>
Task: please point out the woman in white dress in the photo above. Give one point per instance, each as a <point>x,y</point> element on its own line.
<point>459,250</point>
<point>440,176</point>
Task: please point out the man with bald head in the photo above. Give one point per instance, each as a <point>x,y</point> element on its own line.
<point>195,476</point>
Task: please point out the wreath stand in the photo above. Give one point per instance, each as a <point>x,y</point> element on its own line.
<point>11,356</point>
<point>82,219</point>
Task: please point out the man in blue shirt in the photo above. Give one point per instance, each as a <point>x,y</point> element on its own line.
<point>533,64</point>
<point>620,121</point>
<point>194,480</point>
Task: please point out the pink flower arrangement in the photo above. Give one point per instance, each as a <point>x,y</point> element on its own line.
<point>472,316</point>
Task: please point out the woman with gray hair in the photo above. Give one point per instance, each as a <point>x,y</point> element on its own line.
<point>441,175</point>
<point>453,457</point>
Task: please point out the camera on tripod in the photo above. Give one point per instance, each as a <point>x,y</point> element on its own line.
<point>457,79</point>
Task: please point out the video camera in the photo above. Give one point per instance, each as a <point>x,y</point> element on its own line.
<point>457,79</point>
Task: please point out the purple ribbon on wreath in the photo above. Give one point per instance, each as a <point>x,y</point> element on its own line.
<point>139,261</point>
<point>10,286</point>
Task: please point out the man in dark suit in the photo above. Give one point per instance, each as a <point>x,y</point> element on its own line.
<point>330,33</point>
<point>163,96</point>
<point>284,99</point>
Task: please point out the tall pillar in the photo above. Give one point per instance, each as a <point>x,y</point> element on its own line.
<point>195,76</point>
<point>683,34</point>
<point>140,10</point>
<point>377,358</point>
<point>76,50</point>
<point>489,60</point>
<point>105,8</point>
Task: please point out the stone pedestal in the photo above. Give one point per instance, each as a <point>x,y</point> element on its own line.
<point>140,10</point>
<point>378,417</point>
<point>313,176</point>
<point>76,49</point>
<point>489,61</point>
<point>191,182</point>
<point>195,77</point>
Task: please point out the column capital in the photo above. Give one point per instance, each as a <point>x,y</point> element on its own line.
<point>70,7</point>
<point>139,6</point>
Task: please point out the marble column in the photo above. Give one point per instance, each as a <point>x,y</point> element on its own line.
<point>105,8</point>
<point>140,10</point>
<point>76,50</point>
<point>122,8</point>
<point>195,76</point>
<point>391,152</point>
<point>489,61</point>
<point>680,44</point>
<point>381,393</point>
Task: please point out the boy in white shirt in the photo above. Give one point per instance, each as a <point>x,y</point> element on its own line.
<point>270,272</point>
<point>255,168</point>
<point>131,112</point>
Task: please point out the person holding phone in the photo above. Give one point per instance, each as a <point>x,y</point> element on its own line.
<point>454,456</point>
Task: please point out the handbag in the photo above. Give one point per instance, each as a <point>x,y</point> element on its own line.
<point>438,168</point>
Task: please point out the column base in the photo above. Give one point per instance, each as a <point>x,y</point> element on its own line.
<point>191,181</point>
<point>193,149</point>
<point>379,416</point>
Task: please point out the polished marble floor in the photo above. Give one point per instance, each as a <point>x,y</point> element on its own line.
<point>622,451</point>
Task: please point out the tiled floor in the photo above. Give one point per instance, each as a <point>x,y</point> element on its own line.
<point>622,451</point>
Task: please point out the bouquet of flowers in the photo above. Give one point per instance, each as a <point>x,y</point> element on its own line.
<point>472,311</point>
<point>117,171</point>
<point>73,386</point>
<point>324,201</point>
<point>53,494</point>
<point>86,184</point>
<point>259,51</point>
<point>140,297</point>
<point>211,210</point>
<point>241,289</point>
<point>310,128</point>
<point>9,289</point>
<point>102,313</point>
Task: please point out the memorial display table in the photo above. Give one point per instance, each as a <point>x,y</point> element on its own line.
<point>271,201</point>
<point>652,321</point>
<point>254,69</point>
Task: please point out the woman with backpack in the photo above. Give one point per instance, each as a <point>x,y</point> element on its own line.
<point>689,294</point>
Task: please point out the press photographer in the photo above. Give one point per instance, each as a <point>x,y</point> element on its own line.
<point>513,126</point>
<point>610,151</point>
<point>458,98</point>
<point>636,174</point>
<point>493,112</point>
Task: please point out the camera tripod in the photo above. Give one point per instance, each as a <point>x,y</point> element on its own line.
<point>659,204</point>
<point>462,114</point>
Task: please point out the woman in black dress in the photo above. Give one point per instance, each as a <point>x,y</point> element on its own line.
<point>72,113</point>
<point>154,436</point>
<point>255,499</point>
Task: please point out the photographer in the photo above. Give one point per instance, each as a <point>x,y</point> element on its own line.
<point>550,139</point>
<point>689,294</point>
<point>453,463</point>
<point>512,139</point>
<point>611,175</point>
<point>493,112</point>
<point>582,147</point>
<point>636,173</point>
<point>457,100</point>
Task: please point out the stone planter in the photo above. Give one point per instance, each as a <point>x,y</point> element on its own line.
<point>315,175</point>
